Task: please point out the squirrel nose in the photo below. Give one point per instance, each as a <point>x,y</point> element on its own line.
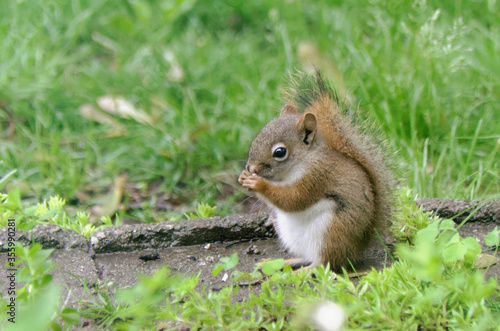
<point>250,168</point>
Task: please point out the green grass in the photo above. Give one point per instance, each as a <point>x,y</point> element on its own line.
<point>437,282</point>
<point>426,72</point>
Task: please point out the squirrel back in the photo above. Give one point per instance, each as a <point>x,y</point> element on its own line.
<point>342,133</point>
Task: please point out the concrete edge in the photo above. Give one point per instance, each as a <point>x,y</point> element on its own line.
<point>460,210</point>
<point>210,230</point>
<point>147,236</point>
<point>181,233</point>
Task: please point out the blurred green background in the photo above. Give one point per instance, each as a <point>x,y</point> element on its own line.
<point>171,93</point>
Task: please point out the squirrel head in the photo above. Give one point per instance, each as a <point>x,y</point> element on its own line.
<point>282,146</point>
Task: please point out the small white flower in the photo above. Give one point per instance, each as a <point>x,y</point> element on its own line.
<point>328,316</point>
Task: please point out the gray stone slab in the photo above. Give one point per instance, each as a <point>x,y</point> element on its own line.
<point>122,268</point>
<point>49,236</point>
<point>459,210</point>
<point>72,266</point>
<point>181,233</point>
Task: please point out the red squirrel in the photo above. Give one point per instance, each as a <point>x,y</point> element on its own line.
<point>327,182</point>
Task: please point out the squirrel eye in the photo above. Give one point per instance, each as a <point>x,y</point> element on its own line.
<point>280,153</point>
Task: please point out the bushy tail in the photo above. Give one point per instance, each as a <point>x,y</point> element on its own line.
<point>343,131</point>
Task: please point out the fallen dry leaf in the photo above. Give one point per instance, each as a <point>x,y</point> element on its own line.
<point>117,105</point>
<point>90,112</point>
<point>112,204</point>
<point>485,260</point>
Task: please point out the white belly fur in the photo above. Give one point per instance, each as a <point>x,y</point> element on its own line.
<point>302,232</point>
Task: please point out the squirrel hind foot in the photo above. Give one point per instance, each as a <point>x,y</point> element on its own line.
<point>299,262</point>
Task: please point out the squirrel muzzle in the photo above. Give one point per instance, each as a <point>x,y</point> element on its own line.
<point>262,170</point>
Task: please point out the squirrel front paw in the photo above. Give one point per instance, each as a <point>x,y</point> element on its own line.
<point>249,180</point>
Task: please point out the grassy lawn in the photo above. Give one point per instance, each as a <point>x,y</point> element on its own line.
<point>148,108</point>
<point>202,78</point>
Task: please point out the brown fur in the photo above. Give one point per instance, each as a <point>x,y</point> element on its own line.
<point>343,165</point>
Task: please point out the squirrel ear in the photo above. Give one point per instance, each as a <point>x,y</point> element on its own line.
<point>307,125</point>
<point>288,109</point>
